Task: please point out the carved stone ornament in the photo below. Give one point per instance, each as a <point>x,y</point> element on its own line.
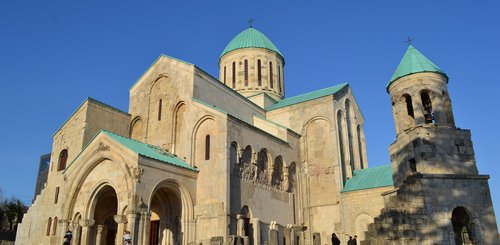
<point>103,147</point>
<point>86,222</point>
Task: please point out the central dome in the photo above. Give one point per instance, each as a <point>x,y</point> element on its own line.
<point>250,38</point>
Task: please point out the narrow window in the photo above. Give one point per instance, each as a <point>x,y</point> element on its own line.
<point>224,74</point>
<point>427,104</point>
<point>271,74</point>
<point>56,196</point>
<point>63,158</point>
<point>360,148</point>
<point>279,77</point>
<point>234,75</point>
<point>341,147</point>
<point>409,106</point>
<point>413,165</point>
<point>49,224</point>
<point>246,72</point>
<point>207,147</point>
<point>54,229</point>
<point>159,110</point>
<point>259,73</point>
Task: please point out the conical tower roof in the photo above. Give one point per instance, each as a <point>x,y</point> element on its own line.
<point>414,62</point>
<point>250,38</point>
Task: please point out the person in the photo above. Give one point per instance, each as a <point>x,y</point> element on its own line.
<point>335,239</point>
<point>350,242</point>
<point>67,237</point>
<point>127,238</point>
<point>355,240</point>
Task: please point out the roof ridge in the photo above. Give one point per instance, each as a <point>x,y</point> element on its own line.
<point>303,97</point>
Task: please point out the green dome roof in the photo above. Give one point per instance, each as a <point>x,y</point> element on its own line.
<point>414,62</point>
<point>250,38</point>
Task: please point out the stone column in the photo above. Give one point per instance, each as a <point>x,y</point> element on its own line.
<point>121,220</point>
<point>99,234</point>
<point>273,234</point>
<point>143,233</point>
<point>76,234</point>
<point>86,224</point>
<point>132,225</point>
<point>418,109</point>
<point>256,230</point>
<point>63,226</point>
<point>240,223</point>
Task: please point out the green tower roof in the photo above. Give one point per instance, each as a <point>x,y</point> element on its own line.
<point>414,62</point>
<point>250,38</point>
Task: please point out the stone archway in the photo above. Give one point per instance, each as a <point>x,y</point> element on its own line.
<point>105,207</point>
<point>462,227</point>
<point>167,212</point>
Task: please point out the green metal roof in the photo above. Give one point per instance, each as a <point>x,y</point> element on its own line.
<point>250,38</point>
<point>308,96</point>
<point>369,178</point>
<point>149,151</point>
<point>414,62</point>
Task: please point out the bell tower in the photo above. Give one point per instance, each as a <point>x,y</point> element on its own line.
<point>427,139</point>
<point>439,197</point>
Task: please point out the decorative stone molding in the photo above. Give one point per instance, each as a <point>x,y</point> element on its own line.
<point>86,222</point>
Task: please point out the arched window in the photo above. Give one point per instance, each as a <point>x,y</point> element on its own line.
<point>259,73</point>
<point>207,147</point>
<point>246,72</point>
<point>262,163</point>
<point>461,226</point>
<point>360,147</point>
<point>271,82</point>
<point>63,158</point>
<point>277,177</point>
<point>233,156</point>
<point>349,133</point>
<point>427,105</point>
<point>279,77</point>
<point>224,75</point>
<point>246,163</point>
<point>409,105</point>
<point>234,75</point>
<point>136,129</point>
<point>54,229</point>
<point>49,225</point>
<point>341,146</point>
<point>159,110</point>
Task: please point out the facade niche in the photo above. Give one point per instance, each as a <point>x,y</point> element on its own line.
<point>246,167</point>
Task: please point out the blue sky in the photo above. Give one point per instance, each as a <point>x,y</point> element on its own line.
<point>53,54</point>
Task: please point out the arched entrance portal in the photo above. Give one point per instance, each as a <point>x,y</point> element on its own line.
<point>461,226</point>
<point>104,230</point>
<point>166,214</point>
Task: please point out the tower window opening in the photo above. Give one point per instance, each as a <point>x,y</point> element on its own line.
<point>246,72</point>
<point>279,78</point>
<point>63,158</point>
<point>409,106</point>
<point>234,75</point>
<point>427,105</point>
<point>159,110</point>
<point>413,165</point>
<point>259,73</point>
<point>207,147</point>
<point>224,75</point>
<point>271,82</point>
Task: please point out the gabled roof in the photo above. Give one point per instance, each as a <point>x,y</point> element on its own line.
<point>369,178</point>
<point>250,38</point>
<point>307,96</point>
<point>414,62</point>
<point>148,150</point>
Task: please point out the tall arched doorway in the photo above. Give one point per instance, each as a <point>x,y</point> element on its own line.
<point>104,230</point>
<point>166,216</point>
<point>460,220</point>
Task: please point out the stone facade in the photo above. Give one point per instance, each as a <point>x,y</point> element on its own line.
<point>196,160</point>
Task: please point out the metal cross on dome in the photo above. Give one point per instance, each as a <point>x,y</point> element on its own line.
<point>250,22</point>
<point>409,40</point>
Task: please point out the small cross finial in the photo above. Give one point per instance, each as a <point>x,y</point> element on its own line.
<point>250,22</point>
<point>409,40</point>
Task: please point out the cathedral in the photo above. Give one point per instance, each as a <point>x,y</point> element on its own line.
<point>200,160</point>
